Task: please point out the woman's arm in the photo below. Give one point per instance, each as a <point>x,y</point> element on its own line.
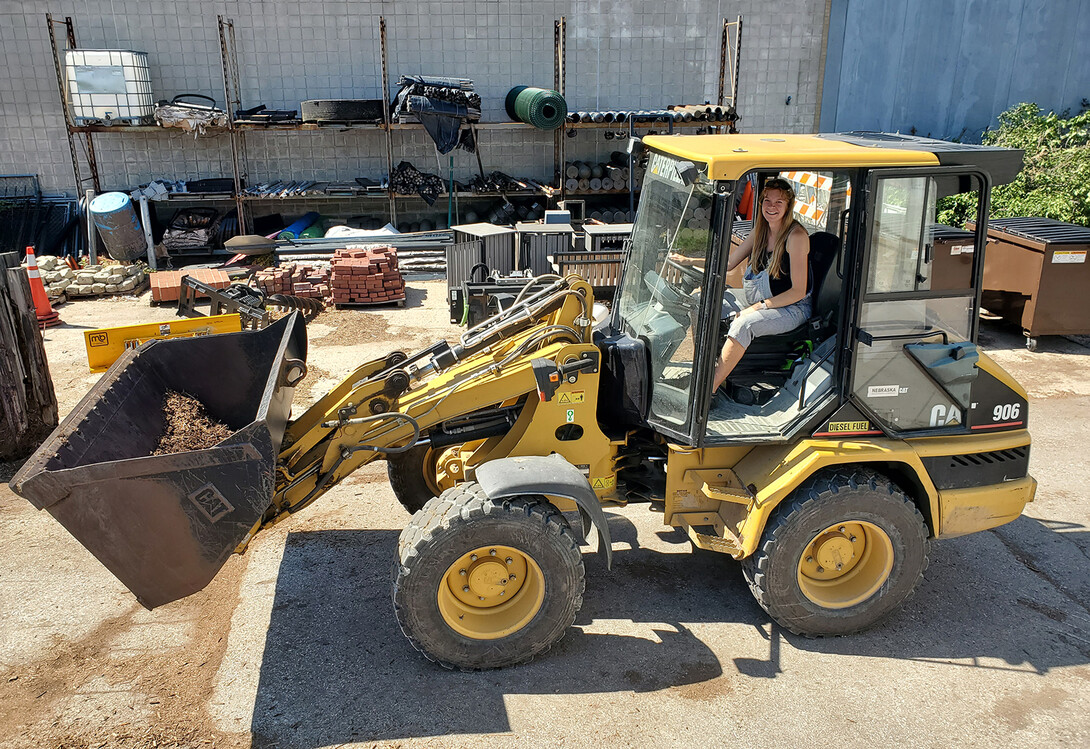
<point>740,253</point>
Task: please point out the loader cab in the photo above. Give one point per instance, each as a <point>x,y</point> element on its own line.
<point>890,347</point>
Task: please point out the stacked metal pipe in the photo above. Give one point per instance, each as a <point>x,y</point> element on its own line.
<point>581,176</point>
<point>611,216</point>
<point>674,113</point>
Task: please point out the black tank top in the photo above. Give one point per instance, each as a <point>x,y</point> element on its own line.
<point>783,283</point>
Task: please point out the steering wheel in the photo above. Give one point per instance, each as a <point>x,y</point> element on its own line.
<point>679,294</point>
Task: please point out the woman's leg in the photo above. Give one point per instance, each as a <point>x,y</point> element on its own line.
<point>751,325</point>
<point>727,361</point>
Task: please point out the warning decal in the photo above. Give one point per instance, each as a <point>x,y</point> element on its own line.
<point>576,396</point>
<point>1069,256</point>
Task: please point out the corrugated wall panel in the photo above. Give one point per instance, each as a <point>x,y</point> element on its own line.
<point>947,69</point>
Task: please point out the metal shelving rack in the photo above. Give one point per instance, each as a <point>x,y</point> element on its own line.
<point>728,67</point>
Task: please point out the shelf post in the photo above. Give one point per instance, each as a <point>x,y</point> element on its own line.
<point>385,94</point>
<point>560,32</point>
<point>232,98</point>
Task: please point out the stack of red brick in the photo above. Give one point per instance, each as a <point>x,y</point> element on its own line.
<point>295,279</point>
<point>366,275</point>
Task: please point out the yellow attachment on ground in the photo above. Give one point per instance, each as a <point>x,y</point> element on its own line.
<point>105,345</point>
<point>845,564</point>
<point>731,156</point>
<point>490,592</point>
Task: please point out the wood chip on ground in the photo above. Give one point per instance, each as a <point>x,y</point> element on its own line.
<point>188,426</point>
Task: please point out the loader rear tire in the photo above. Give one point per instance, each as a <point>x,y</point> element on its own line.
<point>409,474</point>
<point>482,583</point>
<point>840,555</point>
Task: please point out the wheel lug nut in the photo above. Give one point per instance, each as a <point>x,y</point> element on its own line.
<point>820,569</point>
<point>509,560</point>
<point>462,573</point>
<point>842,529</point>
<point>481,597</point>
<point>473,557</point>
<point>502,592</point>
<point>852,539</point>
<point>809,559</point>
<point>465,588</point>
<point>512,577</point>
<point>492,552</point>
<point>839,566</point>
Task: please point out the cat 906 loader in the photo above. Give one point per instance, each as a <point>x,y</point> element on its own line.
<point>831,458</point>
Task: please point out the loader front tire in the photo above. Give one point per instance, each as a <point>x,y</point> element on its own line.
<point>412,476</point>
<point>484,583</point>
<point>841,554</point>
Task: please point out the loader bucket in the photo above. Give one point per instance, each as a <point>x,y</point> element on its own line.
<point>165,524</point>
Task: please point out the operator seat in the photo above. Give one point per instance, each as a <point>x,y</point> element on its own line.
<point>769,353</point>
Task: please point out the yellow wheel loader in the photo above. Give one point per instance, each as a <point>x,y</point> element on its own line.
<point>827,463</point>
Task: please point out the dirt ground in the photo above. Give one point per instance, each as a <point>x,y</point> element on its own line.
<point>294,644</point>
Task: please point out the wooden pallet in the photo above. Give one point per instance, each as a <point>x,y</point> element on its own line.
<point>387,303</point>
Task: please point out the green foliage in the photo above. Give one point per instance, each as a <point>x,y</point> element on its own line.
<point>1055,180</point>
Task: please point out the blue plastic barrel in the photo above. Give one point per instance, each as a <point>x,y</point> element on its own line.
<point>118,225</point>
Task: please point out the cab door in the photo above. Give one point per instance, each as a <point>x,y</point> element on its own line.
<point>914,359</point>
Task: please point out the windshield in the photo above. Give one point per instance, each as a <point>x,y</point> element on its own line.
<point>660,293</point>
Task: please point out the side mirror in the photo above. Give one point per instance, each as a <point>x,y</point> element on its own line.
<point>688,172</point>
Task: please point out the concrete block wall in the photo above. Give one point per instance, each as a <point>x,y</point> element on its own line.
<point>636,54</point>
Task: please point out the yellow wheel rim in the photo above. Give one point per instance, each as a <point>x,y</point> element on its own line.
<point>845,564</point>
<point>491,592</point>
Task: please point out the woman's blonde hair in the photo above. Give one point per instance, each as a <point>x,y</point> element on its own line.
<point>761,229</point>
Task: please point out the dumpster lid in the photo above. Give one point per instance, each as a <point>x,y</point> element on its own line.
<point>942,232</point>
<point>1039,229</point>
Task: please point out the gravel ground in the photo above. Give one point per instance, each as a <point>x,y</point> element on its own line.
<point>295,643</point>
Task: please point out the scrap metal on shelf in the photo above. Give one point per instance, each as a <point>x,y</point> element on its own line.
<point>504,183</point>
<point>408,180</point>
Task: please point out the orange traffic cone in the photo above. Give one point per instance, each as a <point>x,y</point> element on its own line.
<point>47,317</point>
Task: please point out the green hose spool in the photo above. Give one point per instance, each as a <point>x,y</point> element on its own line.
<point>314,231</point>
<point>543,108</point>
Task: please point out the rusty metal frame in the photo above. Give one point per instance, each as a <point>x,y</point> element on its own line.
<point>69,124</point>
<point>386,121</point>
<point>560,74</point>
<point>232,101</point>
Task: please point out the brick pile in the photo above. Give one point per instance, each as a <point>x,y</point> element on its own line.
<point>366,274</point>
<point>295,279</point>
<point>166,285</point>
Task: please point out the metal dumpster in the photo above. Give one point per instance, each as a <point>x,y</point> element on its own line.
<point>165,524</point>
<point>952,258</point>
<point>1036,275</point>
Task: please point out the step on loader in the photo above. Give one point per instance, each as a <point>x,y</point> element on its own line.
<point>827,463</point>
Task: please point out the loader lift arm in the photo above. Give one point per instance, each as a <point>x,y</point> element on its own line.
<point>388,404</point>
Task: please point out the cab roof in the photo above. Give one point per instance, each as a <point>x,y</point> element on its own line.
<point>731,156</point>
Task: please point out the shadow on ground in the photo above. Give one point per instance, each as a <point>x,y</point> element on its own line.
<point>337,669</point>
<point>1000,335</point>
